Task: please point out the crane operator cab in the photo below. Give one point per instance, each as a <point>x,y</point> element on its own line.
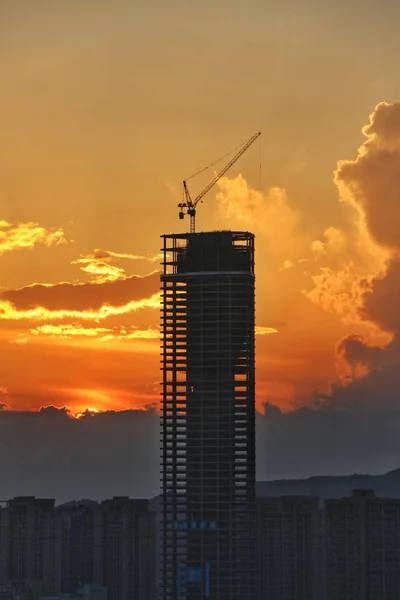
<point>181,205</point>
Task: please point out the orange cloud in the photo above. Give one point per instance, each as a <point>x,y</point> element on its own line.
<point>368,287</point>
<point>39,313</point>
<point>371,183</point>
<point>99,269</point>
<point>98,265</point>
<point>104,334</point>
<point>340,292</point>
<point>369,189</point>
<point>68,331</point>
<point>152,258</point>
<point>137,334</point>
<point>266,213</point>
<point>27,235</point>
<point>264,330</point>
<point>76,298</point>
<point>286,265</point>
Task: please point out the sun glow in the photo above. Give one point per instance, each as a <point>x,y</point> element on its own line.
<point>87,411</point>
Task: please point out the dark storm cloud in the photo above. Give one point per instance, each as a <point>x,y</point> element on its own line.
<point>381,384</point>
<point>327,441</point>
<point>355,351</point>
<point>48,453</point>
<point>381,304</point>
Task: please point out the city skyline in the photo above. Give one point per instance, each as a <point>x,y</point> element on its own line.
<point>106,110</point>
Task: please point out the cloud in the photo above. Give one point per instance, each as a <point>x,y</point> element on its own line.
<point>356,351</point>
<point>286,265</point>
<point>355,358</point>
<point>27,235</point>
<point>100,268</point>
<point>51,454</point>
<point>362,251</point>
<point>328,440</point>
<point>39,313</point>
<point>379,365</point>
<point>80,300</point>
<point>372,181</point>
<point>152,258</point>
<point>104,334</point>
<point>133,334</point>
<point>381,301</point>
<point>3,394</point>
<point>340,292</point>
<point>334,242</point>
<point>370,184</point>
<point>67,331</point>
<point>259,330</point>
<point>268,213</point>
<point>317,247</point>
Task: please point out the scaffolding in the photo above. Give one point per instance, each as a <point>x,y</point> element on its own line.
<point>208,417</point>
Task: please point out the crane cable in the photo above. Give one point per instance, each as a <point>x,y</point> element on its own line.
<point>216,161</point>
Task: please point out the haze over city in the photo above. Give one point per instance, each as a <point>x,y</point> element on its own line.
<point>106,108</point>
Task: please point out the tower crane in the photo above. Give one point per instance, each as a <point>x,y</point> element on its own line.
<point>191,205</point>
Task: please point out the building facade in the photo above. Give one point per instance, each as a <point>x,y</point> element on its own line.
<point>290,548</point>
<point>48,551</point>
<point>363,547</point>
<point>128,546</point>
<point>85,592</point>
<point>29,546</point>
<point>81,545</point>
<point>208,417</point>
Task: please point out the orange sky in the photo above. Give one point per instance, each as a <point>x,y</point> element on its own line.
<point>107,108</point>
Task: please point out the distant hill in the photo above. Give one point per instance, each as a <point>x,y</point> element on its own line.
<point>324,487</point>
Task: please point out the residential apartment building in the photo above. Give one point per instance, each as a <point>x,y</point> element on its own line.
<point>29,546</point>
<point>128,542</point>
<point>47,551</point>
<point>86,592</point>
<point>81,545</point>
<point>290,548</point>
<point>363,547</point>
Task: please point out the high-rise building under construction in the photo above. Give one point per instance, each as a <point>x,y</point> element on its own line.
<point>208,417</point>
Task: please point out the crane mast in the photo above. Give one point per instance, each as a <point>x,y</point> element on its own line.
<point>188,206</point>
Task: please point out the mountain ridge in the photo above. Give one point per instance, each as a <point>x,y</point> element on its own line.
<point>333,486</point>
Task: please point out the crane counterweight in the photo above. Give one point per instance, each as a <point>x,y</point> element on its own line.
<point>188,207</point>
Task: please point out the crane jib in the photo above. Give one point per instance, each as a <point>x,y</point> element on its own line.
<point>188,207</point>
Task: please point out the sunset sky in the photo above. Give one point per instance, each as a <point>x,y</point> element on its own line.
<point>107,106</point>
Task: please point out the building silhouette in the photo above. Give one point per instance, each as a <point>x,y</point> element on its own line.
<point>80,544</point>
<point>127,539</point>
<point>208,417</point>
<point>48,551</point>
<point>363,547</point>
<point>290,548</point>
<point>29,534</point>
<point>345,549</point>
<point>89,591</point>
